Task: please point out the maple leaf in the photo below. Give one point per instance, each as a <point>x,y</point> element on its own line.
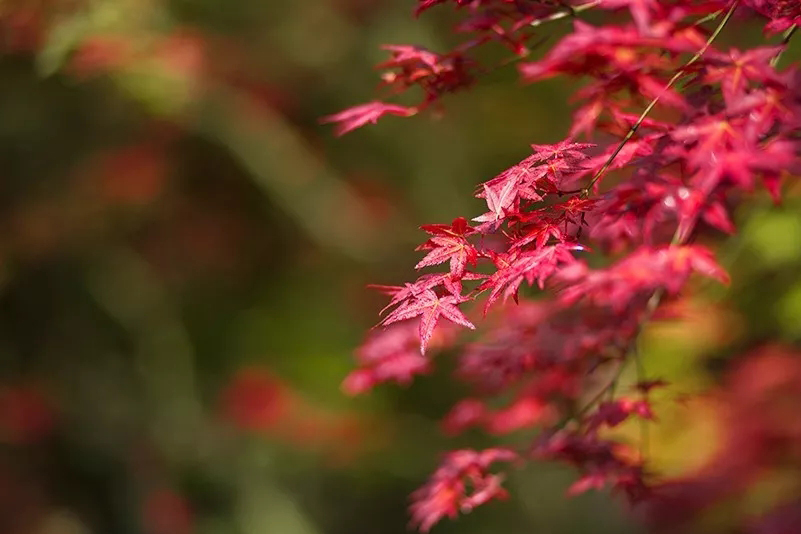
<point>543,229</point>
<point>368,113</point>
<point>525,411</point>
<point>781,14</point>
<point>643,271</point>
<point>765,108</point>
<point>497,203</point>
<point>585,118</point>
<point>423,5</point>
<point>735,69</point>
<point>387,355</point>
<point>716,215</point>
<point>565,150</point>
<point>612,413</point>
<point>591,50</point>
<point>423,283</point>
<point>434,73</point>
<point>695,258</point>
<point>641,11</point>
<point>711,136</point>
<point>449,244</point>
<point>458,227</point>
<point>430,308</point>
<point>502,192</point>
<point>409,54</point>
<point>409,290</point>
<point>532,266</point>
<point>575,206</point>
<point>466,413</point>
<point>446,493</point>
<point>452,248</point>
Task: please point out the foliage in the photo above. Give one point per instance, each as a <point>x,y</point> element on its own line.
<point>611,231</point>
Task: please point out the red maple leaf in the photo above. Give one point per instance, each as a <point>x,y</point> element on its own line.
<point>449,244</point>
<point>430,307</point>
<point>641,11</point>
<point>369,113</point>
<point>735,69</point>
<point>531,266</point>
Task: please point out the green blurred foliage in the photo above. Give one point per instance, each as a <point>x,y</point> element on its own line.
<point>174,216</point>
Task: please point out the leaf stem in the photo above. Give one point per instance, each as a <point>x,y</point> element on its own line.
<point>570,12</point>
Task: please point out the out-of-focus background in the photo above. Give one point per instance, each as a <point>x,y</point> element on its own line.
<point>183,260</point>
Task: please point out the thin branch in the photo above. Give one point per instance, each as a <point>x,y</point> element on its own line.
<point>708,18</point>
<point>788,34</point>
<point>608,386</point>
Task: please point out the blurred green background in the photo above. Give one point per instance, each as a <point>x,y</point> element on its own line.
<point>183,257</point>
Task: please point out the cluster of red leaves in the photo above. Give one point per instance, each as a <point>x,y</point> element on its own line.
<point>461,483</point>
<point>724,121</point>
